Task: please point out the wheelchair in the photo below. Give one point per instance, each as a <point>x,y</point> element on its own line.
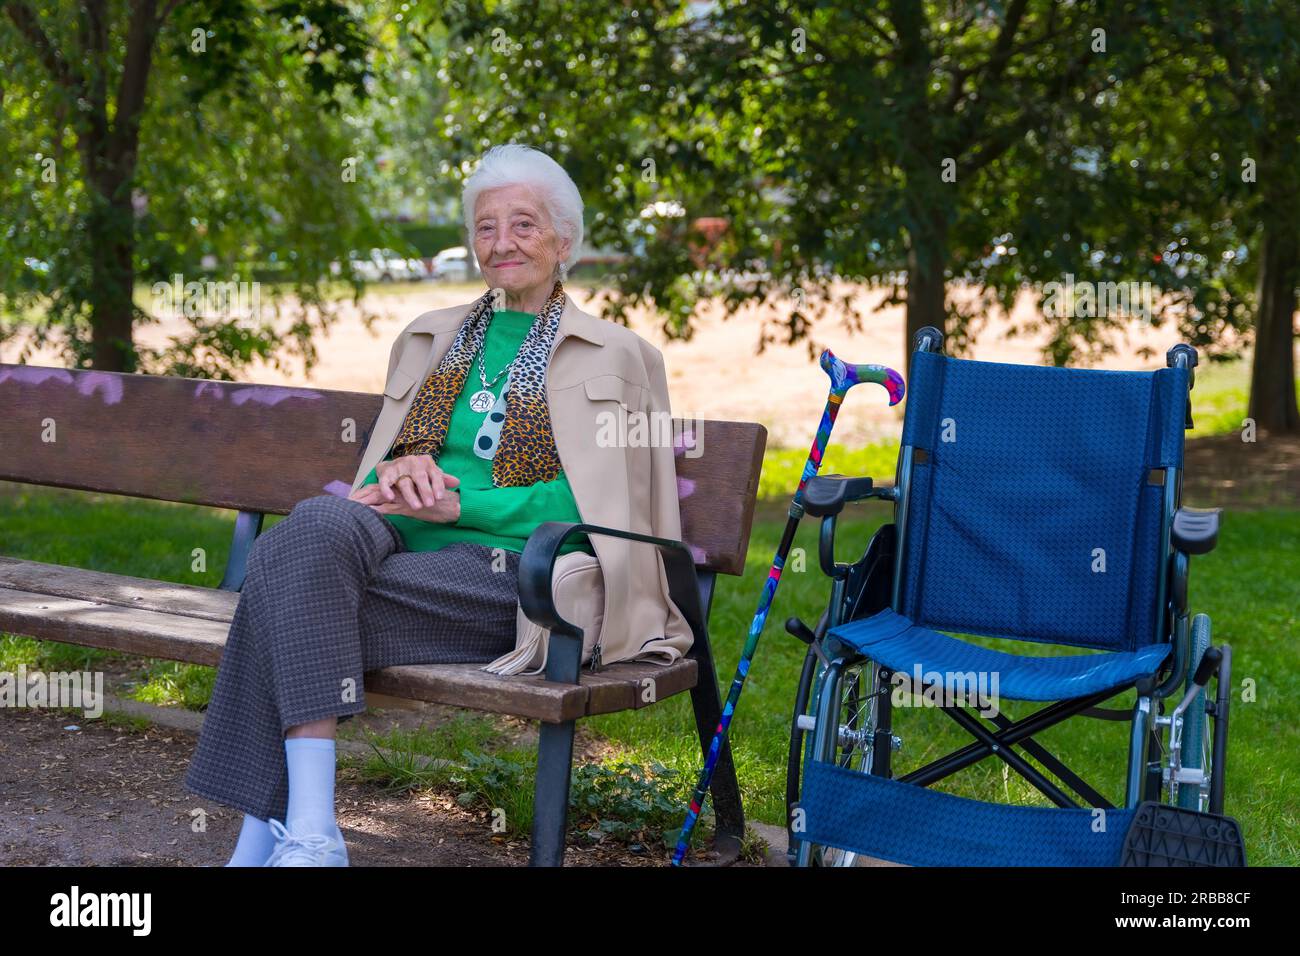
<point>1036,505</point>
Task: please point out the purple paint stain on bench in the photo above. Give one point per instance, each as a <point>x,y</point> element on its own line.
<point>683,440</point>
<point>202,387</point>
<point>698,555</point>
<point>87,383</point>
<point>108,385</point>
<point>36,374</point>
<point>339,488</point>
<point>685,487</point>
<point>269,394</point>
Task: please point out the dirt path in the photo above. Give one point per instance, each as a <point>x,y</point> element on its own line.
<point>98,793</point>
<point>1223,471</point>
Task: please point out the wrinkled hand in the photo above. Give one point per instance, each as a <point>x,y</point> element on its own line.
<point>443,511</point>
<point>427,486</point>
<point>414,486</point>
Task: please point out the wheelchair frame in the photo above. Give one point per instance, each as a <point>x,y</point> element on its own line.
<point>875,581</point>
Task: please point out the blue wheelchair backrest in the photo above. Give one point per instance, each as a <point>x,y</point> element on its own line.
<point>1033,512</point>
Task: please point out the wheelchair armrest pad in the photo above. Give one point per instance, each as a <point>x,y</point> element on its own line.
<point>1196,531</point>
<point>827,494</point>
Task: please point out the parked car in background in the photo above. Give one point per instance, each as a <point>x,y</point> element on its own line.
<point>454,265</point>
<point>385,265</point>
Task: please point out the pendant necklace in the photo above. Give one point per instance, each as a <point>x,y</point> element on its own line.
<point>483,400</point>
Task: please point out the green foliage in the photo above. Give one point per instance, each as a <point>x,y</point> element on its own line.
<point>430,240</point>
<point>618,800</point>
<point>756,113</point>
<point>918,146</point>
<point>253,159</point>
<point>499,783</point>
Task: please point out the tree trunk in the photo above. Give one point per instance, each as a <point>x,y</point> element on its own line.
<point>1272,374</point>
<point>109,155</point>
<point>110,228</point>
<point>926,290</point>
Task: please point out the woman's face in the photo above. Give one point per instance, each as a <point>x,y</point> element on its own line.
<point>515,241</point>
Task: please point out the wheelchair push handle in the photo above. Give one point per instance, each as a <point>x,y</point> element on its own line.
<point>1183,355</point>
<point>844,376</point>
<point>927,339</point>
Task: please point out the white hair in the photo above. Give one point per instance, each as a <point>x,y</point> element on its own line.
<point>514,164</point>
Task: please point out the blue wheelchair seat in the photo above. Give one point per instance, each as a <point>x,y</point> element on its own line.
<point>892,640</point>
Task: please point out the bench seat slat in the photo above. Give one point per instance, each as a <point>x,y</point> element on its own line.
<point>112,627</point>
<point>183,600</point>
<point>186,623</point>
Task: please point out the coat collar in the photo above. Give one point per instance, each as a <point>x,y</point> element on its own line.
<point>573,321</point>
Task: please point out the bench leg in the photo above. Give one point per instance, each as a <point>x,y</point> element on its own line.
<point>551,795</point>
<point>724,789</point>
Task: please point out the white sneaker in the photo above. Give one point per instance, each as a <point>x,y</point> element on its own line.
<point>293,848</point>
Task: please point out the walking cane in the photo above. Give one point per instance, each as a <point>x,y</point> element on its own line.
<point>843,377</point>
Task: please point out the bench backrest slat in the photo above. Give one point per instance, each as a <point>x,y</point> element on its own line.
<point>266,447</point>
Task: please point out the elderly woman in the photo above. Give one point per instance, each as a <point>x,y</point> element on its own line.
<point>495,419</point>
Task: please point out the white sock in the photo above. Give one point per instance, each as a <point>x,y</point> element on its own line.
<point>311,784</point>
<point>256,841</point>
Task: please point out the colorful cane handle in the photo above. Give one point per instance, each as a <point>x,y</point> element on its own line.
<point>844,376</point>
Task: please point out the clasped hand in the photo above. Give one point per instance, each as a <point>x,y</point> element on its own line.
<point>414,486</point>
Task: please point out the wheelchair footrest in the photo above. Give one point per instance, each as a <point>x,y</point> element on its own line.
<point>904,823</point>
<point>1162,835</point>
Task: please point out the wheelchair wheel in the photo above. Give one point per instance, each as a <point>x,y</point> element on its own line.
<point>1196,743</point>
<point>794,755</point>
<point>855,707</point>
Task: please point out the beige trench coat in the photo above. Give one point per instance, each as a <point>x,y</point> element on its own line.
<point>595,367</point>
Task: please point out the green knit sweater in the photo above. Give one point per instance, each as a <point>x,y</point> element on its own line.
<point>496,517</point>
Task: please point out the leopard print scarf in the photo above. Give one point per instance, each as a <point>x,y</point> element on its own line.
<point>525,452</point>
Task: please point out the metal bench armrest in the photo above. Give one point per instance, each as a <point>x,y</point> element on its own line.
<point>537,567</point>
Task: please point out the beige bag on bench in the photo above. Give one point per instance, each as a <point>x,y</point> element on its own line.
<point>579,593</point>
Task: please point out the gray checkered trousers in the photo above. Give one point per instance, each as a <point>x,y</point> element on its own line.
<point>331,593</point>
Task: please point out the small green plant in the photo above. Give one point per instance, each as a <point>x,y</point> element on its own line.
<point>498,782</point>
<point>625,802</point>
<point>170,683</point>
<point>753,848</point>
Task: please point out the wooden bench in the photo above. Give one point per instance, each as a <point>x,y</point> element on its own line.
<point>260,449</point>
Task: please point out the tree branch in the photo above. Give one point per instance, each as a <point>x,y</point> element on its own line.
<point>995,66</point>
<point>141,32</point>
<point>167,12</point>
<point>50,56</point>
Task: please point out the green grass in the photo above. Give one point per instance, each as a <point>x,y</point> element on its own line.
<point>147,539</point>
<point>1248,586</point>
<point>1221,397</point>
